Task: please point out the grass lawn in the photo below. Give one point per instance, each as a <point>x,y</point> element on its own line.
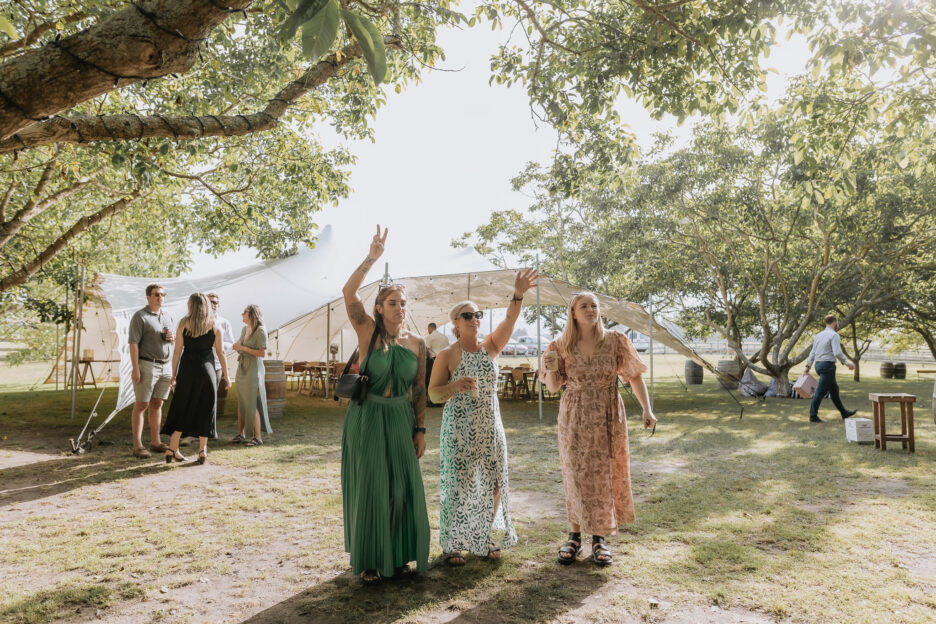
<point>763,519</point>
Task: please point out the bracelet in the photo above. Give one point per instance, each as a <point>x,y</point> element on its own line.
<point>516,298</point>
<point>419,430</point>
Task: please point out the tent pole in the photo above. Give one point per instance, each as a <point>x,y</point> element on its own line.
<point>539,341</point>
<point>76,338</point>
<point>468,296</point>
<point>650,305</point>
<point>327,348</point>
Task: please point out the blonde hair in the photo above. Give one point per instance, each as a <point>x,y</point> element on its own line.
<point>571,334</point>
<point>200,318</point>
<point>254,315</point>
<point>454,312</point>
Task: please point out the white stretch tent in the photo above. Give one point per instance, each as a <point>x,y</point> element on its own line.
<point>429,299</point>
<point>306,288</point>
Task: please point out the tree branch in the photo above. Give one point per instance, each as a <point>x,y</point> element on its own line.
<point>147,40</point>
<point>12,47</point>
<point>87,128</point>
<point>19,277</point>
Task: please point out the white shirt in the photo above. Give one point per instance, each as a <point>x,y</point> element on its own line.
<point>227,338</point>
<point>435,342</point>
<point>826,347</point>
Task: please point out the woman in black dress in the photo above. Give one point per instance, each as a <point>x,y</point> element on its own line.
<point>192,412</point>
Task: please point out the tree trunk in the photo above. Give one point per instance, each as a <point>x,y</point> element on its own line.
<point>783,382</point>
<point>147,40</point>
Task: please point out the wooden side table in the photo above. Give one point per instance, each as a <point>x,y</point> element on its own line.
<point>878,402</point>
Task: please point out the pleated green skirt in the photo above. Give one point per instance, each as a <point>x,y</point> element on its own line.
<point>386,524</point>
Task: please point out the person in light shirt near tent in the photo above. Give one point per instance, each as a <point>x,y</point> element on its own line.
<point>435,342</point>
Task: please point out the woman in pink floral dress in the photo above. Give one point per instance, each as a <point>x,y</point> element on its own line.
<point>593,452</point>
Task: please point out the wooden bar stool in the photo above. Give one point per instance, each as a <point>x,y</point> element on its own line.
<point>878,402</point>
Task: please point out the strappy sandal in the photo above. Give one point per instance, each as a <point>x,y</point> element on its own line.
<point>599,549</point>
<point>454,559</point>
<point>493,552</point>
<point>255,442</point>
<point>172,455</point>
<point>238,438</point>
<point>202,457</point>
<point>370,577</point>
<point>402,571</point>
<point>572,548</point>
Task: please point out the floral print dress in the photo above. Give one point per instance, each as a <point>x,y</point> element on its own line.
<point>473,462</point>
<point>593,449</point>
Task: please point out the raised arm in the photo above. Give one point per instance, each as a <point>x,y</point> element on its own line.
<point>363,324</point>
<point>497,339</point>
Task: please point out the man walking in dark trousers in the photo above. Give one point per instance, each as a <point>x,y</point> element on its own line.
<point>826,348</point>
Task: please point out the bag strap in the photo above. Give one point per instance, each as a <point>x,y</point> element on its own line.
<point>370,350</point>
<point>347,366</point>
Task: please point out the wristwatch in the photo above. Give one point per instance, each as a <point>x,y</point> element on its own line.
<point>419,430</point>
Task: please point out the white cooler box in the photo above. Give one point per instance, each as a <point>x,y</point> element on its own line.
<point>860,430</point>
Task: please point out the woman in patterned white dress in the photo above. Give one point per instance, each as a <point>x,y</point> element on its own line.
<point>473,475</point>
<point>593,450</point>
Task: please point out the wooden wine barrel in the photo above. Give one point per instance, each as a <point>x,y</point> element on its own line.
<point>900,370</point>
<point>693,373</point>
<point>887,370</point>
<point>732,369</point>
<point>275,383</point>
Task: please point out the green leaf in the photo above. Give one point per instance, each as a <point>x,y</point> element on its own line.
<point>371,43</point>
<point>319,33</point>
<point>7,27</point>
<point>307,10</point>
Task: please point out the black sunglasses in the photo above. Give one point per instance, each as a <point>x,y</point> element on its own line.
<point>470,315</point>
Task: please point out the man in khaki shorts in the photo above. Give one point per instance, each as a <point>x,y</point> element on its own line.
<point>150,339</point>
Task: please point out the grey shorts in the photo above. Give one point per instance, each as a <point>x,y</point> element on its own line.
<point>154,381</point>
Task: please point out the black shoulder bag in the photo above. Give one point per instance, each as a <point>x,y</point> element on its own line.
<point>351,386</point>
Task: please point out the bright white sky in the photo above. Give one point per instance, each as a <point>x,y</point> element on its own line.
<point>445,151</point>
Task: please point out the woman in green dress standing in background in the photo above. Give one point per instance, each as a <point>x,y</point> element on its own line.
<point>251,393</point>
<point>386,524</point>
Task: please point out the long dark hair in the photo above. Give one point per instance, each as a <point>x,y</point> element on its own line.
<point>382,294</point>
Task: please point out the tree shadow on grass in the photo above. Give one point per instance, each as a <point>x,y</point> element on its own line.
<point>473,593</point>
<point>34,481</point>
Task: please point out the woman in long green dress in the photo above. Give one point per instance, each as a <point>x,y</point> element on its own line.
<point>251,393</point>
<point>386,525</point>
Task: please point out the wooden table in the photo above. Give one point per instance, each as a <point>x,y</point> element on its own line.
<point>86,368</point>
<point>317,375</point>
<point>881,437</point>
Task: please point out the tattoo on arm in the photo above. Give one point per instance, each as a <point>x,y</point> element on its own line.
<point>357,314</point>
<point>419,387</point>
<point>366,265</point>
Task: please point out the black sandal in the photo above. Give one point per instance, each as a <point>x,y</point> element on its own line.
<point>572,548</point>
<point>370,577</point>
<point>599,549</point>
<point>450,559</point>
<point>493,552</point>
<point>255,442</point>
<point>402,571</point>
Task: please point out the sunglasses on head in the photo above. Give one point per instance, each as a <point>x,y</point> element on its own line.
<point>470,315</point>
